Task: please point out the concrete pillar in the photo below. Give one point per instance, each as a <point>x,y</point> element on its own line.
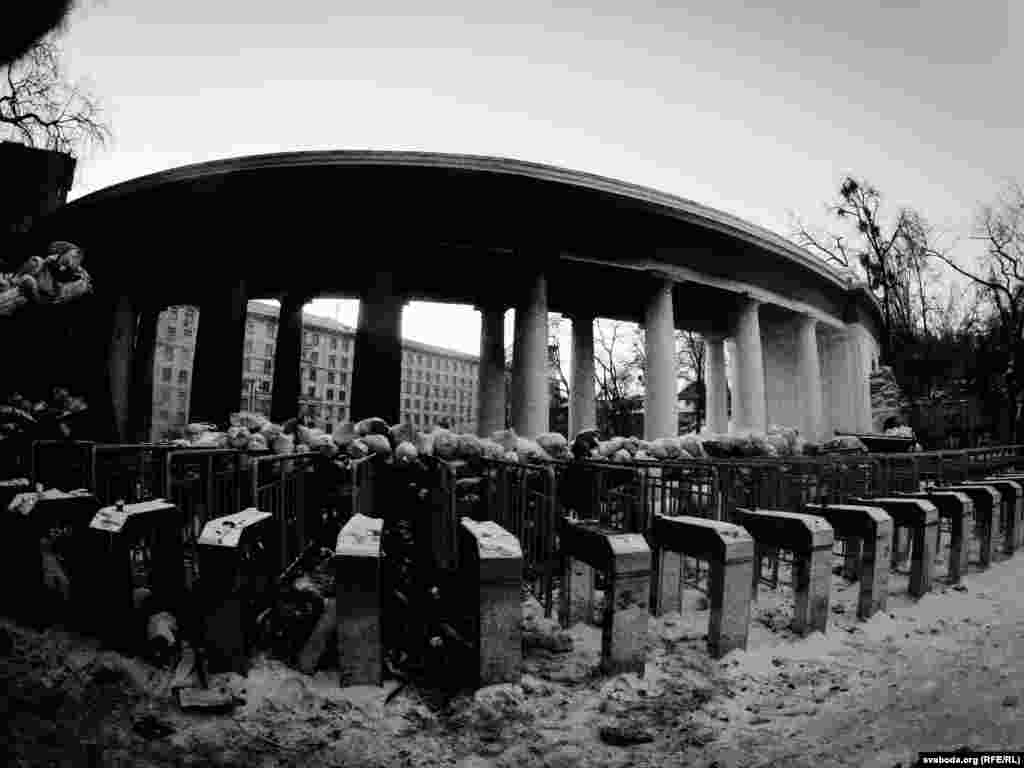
<point>860,375</point>
<point>143,361</point>
<point>217,373</point>
<point>530,372</point>
<point>377,374</point>
<point>716,385</point>
<point>778,349</point>
<point>660,398</point>
<point>287,388</point>
<point>808,379</point>
<point>492,372</point>
<point>119,362</point>
<point>583,403</point>
<point>748,370</point>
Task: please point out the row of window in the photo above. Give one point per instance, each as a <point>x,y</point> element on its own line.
<point>437,378</point>
<point>444,393</point>
<point>167,374</point>
<point>426,420</point>
<point>428,405</point>
<point>436,362</point>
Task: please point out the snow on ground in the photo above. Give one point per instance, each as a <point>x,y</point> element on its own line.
<point>63,690</point>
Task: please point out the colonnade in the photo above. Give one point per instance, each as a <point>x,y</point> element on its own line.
<point>798,372</point>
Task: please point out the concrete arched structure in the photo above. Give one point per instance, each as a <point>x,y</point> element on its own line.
<point>388,227</point>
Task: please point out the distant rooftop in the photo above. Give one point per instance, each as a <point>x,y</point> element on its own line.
<point>331,325</point>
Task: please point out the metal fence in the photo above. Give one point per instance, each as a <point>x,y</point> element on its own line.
<point>285,487</point>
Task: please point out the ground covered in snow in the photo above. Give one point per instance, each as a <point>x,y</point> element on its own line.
<point>937,673</point>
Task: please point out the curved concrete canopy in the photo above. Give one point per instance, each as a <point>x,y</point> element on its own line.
<point>443,220</point>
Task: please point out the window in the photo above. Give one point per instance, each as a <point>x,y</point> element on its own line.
<point>182,396</point>
<point>248,346</point>
<point>344,362</point>
<point>169,354</point>
<point>332,361</point>
<point>316,339</point>
<point>189,330</point>
<point>406,403</point>
<point>165,395</point>
<point>172,332</point>
<point>334,342</point>
<point>268,350</point>
<point>311,374</point>
<point>311,391</point>
<point>419,375</point>
<point>248,364</point>
<point>419,359</point>
<point>165,415</point>
<point>272,329</point>
<point>343,379</point>
<point>307,338</point>
<point>330,394</point>
<point>314,357</point>
<point>183,377</point>
<point>268,367</point>
<point>342,394</point>
<point>330,377</point>
<point>437,364</point>
<point>165,375</point>
<point>264,386</point>
<point>418,404</point>
<point>250,327</point>
<point>345,344</point>
<point>419,388</point>
<point>416,419</point>
<point>341,411</point>
<point>406,387</point>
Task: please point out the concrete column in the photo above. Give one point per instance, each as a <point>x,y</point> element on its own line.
<point>660,398</point>
<point>716,386</point>
<point>119,362</point>
<point>778,349</point>
<point>808,379</point>
<point>217,373</point>
<point>287,387</point>
<point>492,372</point>
<point>530,372</point>
<point>860,372</point>
<point>748,370</point>
<point>377,374</point>
<point>143,361</point>
<point>582,403</point>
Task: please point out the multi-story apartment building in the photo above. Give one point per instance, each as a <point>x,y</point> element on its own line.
<point>437,384</point>
<point>172,368</point>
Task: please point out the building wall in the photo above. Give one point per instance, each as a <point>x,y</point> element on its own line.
<point>437,383</point>
<point>172,368</point>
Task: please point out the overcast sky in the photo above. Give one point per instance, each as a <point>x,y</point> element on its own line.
<point>756,108</point>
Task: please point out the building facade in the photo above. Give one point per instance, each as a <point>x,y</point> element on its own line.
<point>437,384</point>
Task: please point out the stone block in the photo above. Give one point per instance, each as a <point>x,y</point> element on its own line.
<point>987,513</point>
<point>872,530</point>
<point>810,538</point>
<point>357,562</point>
<point>625,558</point>
<point>493,559</point>
<point>922,518</point>
<point>958,509</point>
<point>729,551</point>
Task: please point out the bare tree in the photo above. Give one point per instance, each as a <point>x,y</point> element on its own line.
<point>1000,280</point>
<point>894,258</point>
<point>41,108</point>
<point>33,21</point>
